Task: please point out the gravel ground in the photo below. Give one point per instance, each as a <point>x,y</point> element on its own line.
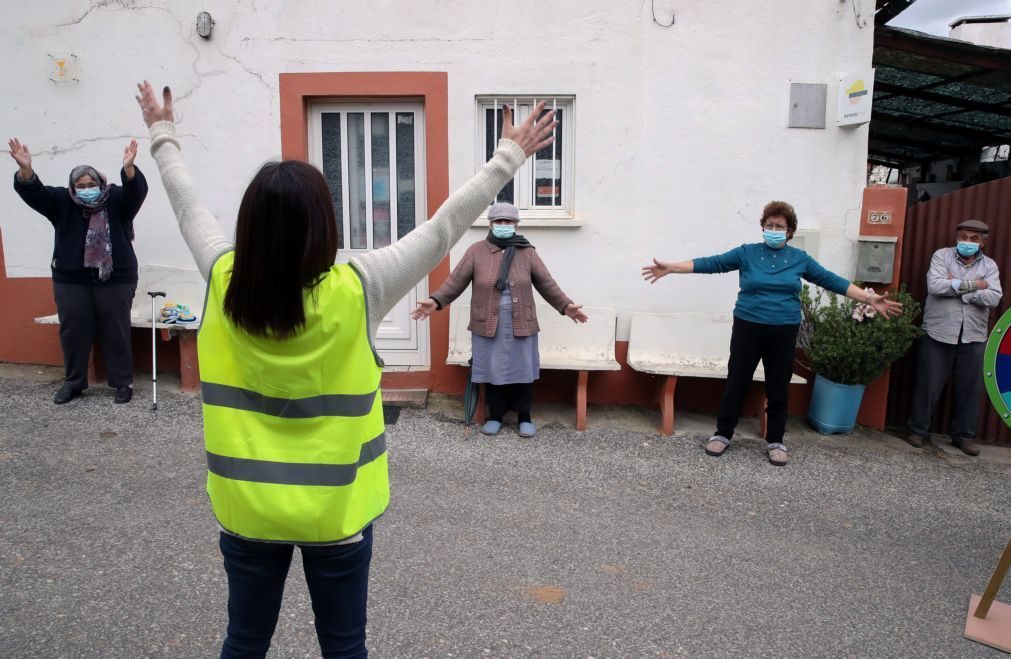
<point>609,543</point>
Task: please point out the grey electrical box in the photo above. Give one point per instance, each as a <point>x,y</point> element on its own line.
<point>875,258</point>
<point>807,105</point>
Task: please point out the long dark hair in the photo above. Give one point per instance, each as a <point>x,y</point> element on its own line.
<point>285,241</point>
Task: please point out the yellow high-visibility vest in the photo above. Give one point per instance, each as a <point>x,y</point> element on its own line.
<point>293,428</point>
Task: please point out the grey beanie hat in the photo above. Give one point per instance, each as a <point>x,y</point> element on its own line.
<point>503,210</point>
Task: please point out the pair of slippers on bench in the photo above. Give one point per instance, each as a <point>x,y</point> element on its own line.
<point>172,313</point>
<point>718,444</point>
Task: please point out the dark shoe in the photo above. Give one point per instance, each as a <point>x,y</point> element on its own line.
<point>914,440</point>
<point>66,394</point>
<point>966,446</point>
<point>124,394</point>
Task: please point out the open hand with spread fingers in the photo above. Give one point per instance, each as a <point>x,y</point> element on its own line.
<point>575,312</point>
<point>425,309</point>
<point>129,155</point>
<point>153,111</point>
<point>887,308</point>
<point>653,273</point>
<point>534,133</point>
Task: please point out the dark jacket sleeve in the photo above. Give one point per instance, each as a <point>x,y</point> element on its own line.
<point>43,199</point>
<point>457,282</point>
<point>134,193</point>
<point>546,285</point>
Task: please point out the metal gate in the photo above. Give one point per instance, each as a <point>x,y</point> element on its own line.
<point>929,226</point>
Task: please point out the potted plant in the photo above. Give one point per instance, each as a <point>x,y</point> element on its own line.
<point>848,345</point>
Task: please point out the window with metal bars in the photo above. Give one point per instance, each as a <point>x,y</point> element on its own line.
<point>542,188</point>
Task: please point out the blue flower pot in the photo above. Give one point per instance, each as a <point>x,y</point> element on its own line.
<point>834,406</point>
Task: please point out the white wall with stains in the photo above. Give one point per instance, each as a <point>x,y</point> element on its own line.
<point>681,132</point>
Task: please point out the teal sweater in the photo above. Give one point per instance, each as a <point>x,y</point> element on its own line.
<point>770,280</point>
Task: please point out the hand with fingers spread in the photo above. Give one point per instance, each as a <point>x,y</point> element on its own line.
<point>23,157</point>
<point>533,134</point>
<point>653,273</point>
<point>153,111</point>
<point>575,312</point>
<point>129,155</point>
<point>425,309</point>
<point>887,308</point>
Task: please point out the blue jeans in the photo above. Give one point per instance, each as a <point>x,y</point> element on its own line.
<point>338,580</point>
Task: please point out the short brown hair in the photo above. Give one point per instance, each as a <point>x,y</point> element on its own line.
<point>783,210</point>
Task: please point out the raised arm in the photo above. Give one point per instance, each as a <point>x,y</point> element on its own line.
<point>133,181</point>
<point>391,272</point>
<point>200,229</point>
<point>43,199</point>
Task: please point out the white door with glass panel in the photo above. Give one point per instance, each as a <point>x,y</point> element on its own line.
<point>373,158</point>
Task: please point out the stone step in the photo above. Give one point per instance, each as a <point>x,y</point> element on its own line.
<point>416,398</point>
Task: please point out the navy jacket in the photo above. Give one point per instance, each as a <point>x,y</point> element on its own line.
<point>71,228</point>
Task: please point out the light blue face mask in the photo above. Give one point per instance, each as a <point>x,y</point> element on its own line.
<point>88,195</point>
<point>966,248</point>
<point>774,238</point>
<point>503,230</point>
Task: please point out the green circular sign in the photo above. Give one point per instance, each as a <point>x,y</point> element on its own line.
<point>997,367</point>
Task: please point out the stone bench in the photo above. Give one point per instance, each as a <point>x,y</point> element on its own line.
<point>180,285</point>
<point>688,344</point>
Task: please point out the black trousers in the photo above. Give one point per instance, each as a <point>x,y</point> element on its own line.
<point>87,310</point>
<point>775,346</point>
<point>505,397</point>
<point>936,363</point>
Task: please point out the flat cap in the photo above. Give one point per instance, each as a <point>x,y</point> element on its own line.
<point>503,211</point>
<point>974,225</point>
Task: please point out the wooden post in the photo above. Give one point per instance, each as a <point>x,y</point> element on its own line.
<point>581,383</point>
<point>667,386</point>
<point>189,370</point>
<point>995,581</point>
<point>989,622</point>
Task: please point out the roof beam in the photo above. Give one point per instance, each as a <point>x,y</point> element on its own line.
<point>981,137</point>
<point>994,59</point>
<point>898,90</point>
<point>889,9</point>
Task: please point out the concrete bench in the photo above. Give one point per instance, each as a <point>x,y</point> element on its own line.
<point>689,344</point>
<point>564,345</point>
<point>180,285</point>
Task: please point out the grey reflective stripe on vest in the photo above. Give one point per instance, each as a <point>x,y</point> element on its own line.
<point>289,473</point>
<point>223,395</point>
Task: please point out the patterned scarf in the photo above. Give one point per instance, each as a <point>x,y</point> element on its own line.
<point>509,245</point>
<point>97,242</point>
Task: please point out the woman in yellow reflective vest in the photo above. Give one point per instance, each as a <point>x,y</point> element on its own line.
<point>293,422</point>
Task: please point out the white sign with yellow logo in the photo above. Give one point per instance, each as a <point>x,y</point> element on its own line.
<point>856,95</point>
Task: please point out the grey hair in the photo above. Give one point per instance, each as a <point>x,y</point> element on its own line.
<point>86,170</point>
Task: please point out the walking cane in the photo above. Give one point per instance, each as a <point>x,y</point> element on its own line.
<point>154,361</point>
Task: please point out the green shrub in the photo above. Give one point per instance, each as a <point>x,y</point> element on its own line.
<point>848,342</point>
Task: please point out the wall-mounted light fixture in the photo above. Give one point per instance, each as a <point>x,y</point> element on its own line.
<point>204,24</point>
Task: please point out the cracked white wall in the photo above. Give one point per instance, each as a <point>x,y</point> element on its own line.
<point>681,132</point>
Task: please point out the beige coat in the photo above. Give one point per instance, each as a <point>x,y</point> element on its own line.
<point>480,264</point>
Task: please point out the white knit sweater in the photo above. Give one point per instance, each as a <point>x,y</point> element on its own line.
<point>388,274</point>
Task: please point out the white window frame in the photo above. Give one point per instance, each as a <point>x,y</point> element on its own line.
<point>563,214</point>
